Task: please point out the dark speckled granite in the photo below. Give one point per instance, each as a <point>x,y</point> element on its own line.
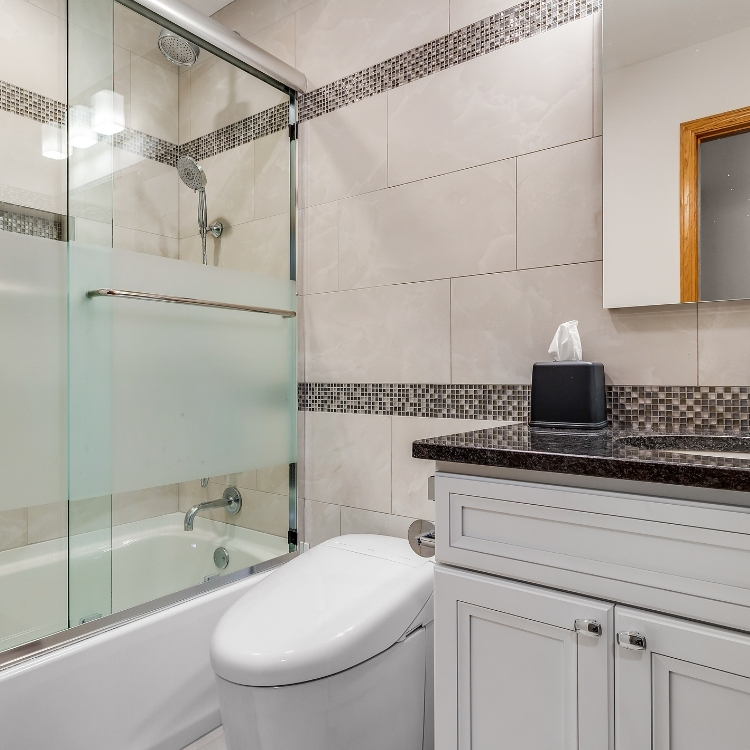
<point>640,457</point>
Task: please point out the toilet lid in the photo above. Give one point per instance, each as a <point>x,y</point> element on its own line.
<point>327,610</point>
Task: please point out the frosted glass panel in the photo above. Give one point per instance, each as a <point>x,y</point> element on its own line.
<point>32,376</point>
<point>164,393</point>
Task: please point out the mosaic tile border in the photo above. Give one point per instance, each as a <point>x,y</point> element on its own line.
<point>249,129</point>
<point>37,226</point>
<point>20,101</point>
<point>503,402</point>
<point>679,408</point>
<point>508,27</point>
<point>629,407</point>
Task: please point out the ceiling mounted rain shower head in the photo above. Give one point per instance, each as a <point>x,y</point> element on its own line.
<point>178,50</point>
<point>191,173</point>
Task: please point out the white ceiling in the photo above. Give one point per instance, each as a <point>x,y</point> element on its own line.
<point>637,30</point>
<point>207,7</point>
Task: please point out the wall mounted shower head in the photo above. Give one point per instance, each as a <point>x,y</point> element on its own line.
<point>191,173</point>
<point>178,50</point>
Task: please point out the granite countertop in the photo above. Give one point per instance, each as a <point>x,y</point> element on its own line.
<point>605,453</point>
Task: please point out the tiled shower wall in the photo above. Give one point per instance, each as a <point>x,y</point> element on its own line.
<point>448,225</point>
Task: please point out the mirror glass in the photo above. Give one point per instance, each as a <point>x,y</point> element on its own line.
<point>676,79</point>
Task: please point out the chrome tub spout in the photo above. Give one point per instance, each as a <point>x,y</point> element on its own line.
<point>231,500</point>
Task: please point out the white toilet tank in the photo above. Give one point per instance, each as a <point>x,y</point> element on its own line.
<point>332,651</point>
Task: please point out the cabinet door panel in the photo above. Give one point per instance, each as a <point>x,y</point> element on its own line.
<point>696,707</point>
<point>689,689</point>
<point>517,681</point>
<point>511,671</point>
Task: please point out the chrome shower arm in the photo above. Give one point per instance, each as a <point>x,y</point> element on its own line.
<point>231,500</point>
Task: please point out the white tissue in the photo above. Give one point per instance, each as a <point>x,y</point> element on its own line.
<point>566,345</point>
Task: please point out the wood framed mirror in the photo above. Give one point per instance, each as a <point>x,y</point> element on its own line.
<point>692,135</point>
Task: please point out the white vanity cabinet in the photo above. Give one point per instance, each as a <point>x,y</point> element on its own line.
<point>532,668</point>
<point>569,618</point>
<point>688,689</point>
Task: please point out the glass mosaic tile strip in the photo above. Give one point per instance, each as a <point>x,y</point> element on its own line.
<point>20,101</point>
<point>629,407</point>
<point>238,133</point>
<point>509,402</point>
<point>679,408</point>
<point>37,226</point>
<point>510,26</point>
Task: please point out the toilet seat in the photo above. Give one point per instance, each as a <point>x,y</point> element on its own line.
<point>334,607</point>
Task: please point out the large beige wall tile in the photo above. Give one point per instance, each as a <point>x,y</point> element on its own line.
<point>723,332</point>
<point>145,198</point>
<point>145,242</point>
<point>272,175</point>
<point>319,248</point>
<point>560,205</point>
<point>338,37</point>
<point>348,460</point>
<point>142,504</point>
<point>121,79</point>
<point>503,323</point>
<point>221,94</point>
<point>464,12</point>
<point>355,521</point>
<point>26,176</point>
<point>598,108</point>
<point>13,528</point>
<point>264,512</point>
<point>259,247</point>
<point>521,98</point>
<point>230,190</point>
<point>184,104</point>
<point>154,99</point>
<point>34,49</point>
<point>322,522</point>
<point>56,7</point>
<point>346,152</point>
<point>47,522</point>
<point>409,475</point>
<point>279,39</point>
<point>454,225</point>
<point>136,33</point>
<point>274,479</point>
<point>391,334</point>
<point>247,17</point>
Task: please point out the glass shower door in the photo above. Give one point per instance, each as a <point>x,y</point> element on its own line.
<point>174,404</point>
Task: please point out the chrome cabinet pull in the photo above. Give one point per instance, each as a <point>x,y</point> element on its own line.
<point>631,640</point>
<point>588,627</point>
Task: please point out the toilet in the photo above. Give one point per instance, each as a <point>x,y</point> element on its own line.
<point>331,651</point>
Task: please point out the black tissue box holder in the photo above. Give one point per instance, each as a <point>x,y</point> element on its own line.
<point>568,395</point>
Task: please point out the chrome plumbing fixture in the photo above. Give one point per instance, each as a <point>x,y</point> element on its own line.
<point>422,537</point>
<point>221,557</point>
<point>177,49</point>
<point>192,174</point>
<point>231,500</point>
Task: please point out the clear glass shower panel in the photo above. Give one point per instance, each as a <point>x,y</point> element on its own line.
<point>90,220</point>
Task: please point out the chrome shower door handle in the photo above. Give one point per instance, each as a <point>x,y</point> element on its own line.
<point>588,627</point>
<point>631,640</point>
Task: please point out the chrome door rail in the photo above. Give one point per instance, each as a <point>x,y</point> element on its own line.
<point>42,646</point>
<point>122,293</point>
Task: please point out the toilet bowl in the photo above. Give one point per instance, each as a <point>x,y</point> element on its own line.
<point>332,651</point>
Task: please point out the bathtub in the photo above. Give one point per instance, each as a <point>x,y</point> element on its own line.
<point>145,684</point>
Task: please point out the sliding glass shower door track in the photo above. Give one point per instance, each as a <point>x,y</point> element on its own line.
<point>43,646</point>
